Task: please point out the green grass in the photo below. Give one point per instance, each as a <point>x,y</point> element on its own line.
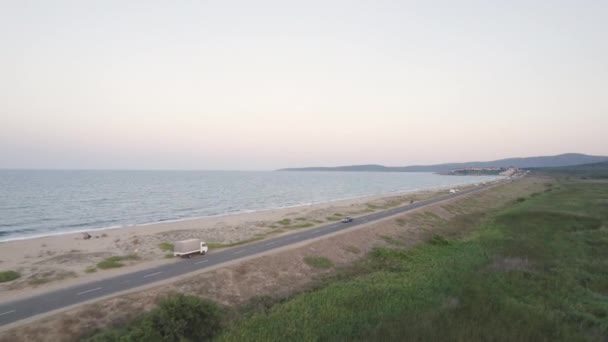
<point>318,262</point>
<point>585,171</point>
<point>6,276</point>
<point>90,269</point>
<point>166,246</point>
<point>177,318</point>
<point>115,261</point>
<point>215,245</point>
<point>535,271</point>
<point>284,222</point>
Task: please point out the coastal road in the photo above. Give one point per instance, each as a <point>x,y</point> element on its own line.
<point>26,308</point>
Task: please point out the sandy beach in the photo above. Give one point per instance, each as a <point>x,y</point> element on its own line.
<point>52,262</point>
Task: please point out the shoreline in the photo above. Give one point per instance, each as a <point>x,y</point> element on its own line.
<point>53,262</point>
<point>240,212</point>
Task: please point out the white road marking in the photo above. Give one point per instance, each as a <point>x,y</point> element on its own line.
<point>153,274</point>
<point>8,312</point>
<point>200,262</point>
<point>240,251</point>
<point>270,243</point>
<point>83,292</point>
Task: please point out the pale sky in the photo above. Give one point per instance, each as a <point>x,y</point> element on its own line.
<point>271,84</point>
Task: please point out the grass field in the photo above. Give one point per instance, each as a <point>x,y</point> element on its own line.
<point>586,171</point>
<point>535,271</point>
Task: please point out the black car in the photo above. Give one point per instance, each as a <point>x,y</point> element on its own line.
<point>347,219</point>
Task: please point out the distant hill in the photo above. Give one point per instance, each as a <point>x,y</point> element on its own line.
<point>585,171</point>
<point>529,162</point>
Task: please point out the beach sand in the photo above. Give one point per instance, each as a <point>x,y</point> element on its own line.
<point>52,262</point>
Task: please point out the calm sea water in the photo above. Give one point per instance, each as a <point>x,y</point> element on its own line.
<point>34,203</point>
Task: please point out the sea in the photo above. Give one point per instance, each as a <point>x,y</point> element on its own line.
<point>48,202</point>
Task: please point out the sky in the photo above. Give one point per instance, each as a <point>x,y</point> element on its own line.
<point>260,85</point>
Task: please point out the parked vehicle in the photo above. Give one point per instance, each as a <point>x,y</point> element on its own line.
<point>186,248</point>
<point>347,219</point>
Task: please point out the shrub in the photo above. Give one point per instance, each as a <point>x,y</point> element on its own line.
<point>166,246</point>
<point>111,262</point>
<point>115,261</point>
<point>180,316</point>
<point>9,276</point>
<point>177,318</point>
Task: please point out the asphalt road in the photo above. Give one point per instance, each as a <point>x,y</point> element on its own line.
<point>25,308</point>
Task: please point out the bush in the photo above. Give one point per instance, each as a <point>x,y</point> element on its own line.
<point>111,262</point>
<point>166,246</point>
<point>182,316</point>
<point>8,276</point>
<point>115,261</point>
<point>177,318</point>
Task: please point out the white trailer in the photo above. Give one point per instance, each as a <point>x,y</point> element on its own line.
<point>186,248</point>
